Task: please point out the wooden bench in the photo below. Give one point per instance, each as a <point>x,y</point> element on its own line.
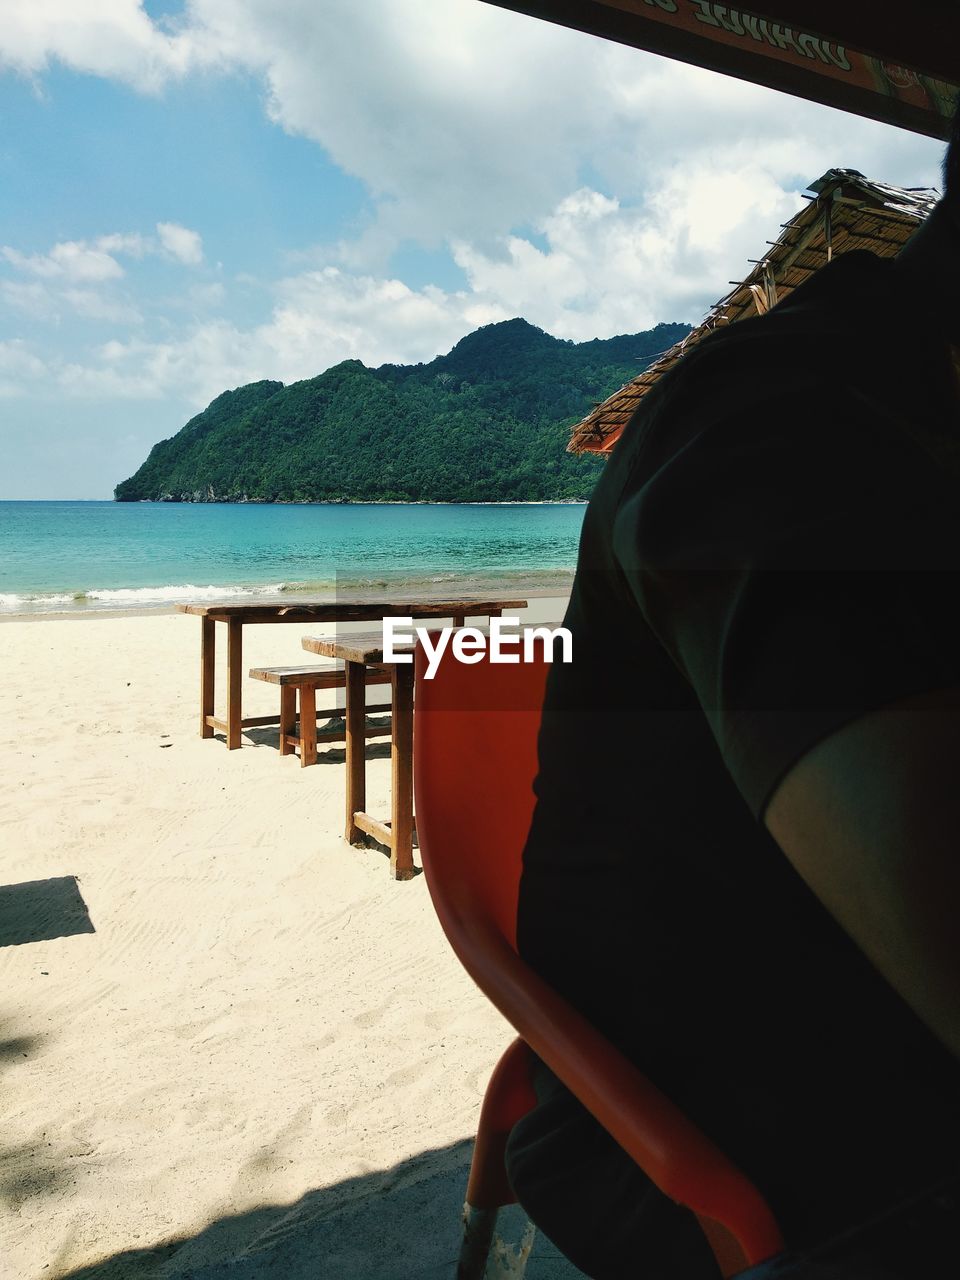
<point>299,685</point>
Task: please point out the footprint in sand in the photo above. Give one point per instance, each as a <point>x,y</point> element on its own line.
<point>370,1017</point>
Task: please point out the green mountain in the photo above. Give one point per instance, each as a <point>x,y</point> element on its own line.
<point>487,422</point>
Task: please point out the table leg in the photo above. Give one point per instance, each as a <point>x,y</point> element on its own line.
<point>234,679</point>
<point>208,666</point>
<point>288,714</point>
<point>401,769</point>
<point>355,716</point>
<point>308,725</point>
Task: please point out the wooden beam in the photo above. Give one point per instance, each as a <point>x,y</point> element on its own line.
<point>809,235</point>
<point>373,827</point>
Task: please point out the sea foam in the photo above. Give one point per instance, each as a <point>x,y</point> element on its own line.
<point>128,597</point>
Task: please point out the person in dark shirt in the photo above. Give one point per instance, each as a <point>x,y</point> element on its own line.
<point>742,863</point>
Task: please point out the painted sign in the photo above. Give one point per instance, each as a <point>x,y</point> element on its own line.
<point>751,33</point>
<point>748,45</point>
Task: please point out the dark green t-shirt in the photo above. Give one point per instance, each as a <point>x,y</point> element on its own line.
<point>772,551</point>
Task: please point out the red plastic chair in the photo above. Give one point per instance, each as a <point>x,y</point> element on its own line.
<point>474,763</point>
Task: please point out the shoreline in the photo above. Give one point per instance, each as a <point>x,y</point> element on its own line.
<point>65,558</point>
<point>560,588</point>
<point>320,502</point>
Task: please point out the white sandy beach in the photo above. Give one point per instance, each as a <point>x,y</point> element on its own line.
<point>253,1052</point>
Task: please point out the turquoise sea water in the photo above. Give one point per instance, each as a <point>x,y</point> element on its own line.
<point>79,556</point>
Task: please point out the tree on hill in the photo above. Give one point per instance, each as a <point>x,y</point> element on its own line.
<point>488,421</point>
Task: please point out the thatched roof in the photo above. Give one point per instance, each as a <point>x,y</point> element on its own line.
<point>846,211</point>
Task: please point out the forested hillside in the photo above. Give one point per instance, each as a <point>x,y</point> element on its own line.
<point>487,422</point>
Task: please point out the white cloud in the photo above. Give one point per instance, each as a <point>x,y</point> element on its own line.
<point>331,315</point>
<point>609,268</point>
<point>464,121</point>
<point>599,267</point>
<point>32,298</point>
<point>203,297</point>
<point>96,306</point>
<point>85,261</point>
<point>70,260</point>
<point>131,243</point>
<point>17,358</point>
<point>79,277</point>
<point>320,318</point>
<point>454,114</point>
<point>20,368</point>
<point>43,301</point>
<point>113,38</point>
<point>181,243</point>
<point>591,188</point>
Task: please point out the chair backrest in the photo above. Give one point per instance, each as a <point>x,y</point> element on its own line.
<point>475,754</point>
<point>475,760</point>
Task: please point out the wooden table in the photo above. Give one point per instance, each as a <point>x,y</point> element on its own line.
<point>236,616</point>
<point>358,653</point>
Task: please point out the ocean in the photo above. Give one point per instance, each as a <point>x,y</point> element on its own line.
<point>78,557</point>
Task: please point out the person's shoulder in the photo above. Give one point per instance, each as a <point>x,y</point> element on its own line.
<point>819,345</point>
<point>838,302</point>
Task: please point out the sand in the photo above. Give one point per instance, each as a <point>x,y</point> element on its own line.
<point>229,1043</point>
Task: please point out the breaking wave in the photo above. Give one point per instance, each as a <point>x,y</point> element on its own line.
<point>104,598</point>
<point>404,583</point>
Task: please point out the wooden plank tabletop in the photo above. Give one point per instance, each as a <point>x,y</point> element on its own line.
<point>332,673</point>
<point>366,647</point>
<point>352,610</point>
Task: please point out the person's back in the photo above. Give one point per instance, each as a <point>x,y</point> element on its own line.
<point>771,554</point>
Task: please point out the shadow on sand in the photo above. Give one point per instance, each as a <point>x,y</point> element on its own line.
<point>268,736</point>
<point>401,1223</point>
<point>39,910</point>
<point>32,1168</point>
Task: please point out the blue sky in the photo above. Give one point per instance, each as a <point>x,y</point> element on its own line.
<point>193,196</point>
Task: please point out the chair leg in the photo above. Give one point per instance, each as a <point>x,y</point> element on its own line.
<point>483,1255</point>
<point>478,1228</point>
<point>509,1096</point>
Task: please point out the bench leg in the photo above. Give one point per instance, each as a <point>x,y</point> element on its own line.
<point>288,713</point>
<point>308,725</point>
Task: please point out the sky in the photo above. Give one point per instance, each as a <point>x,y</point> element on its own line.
<point>198,195</point>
